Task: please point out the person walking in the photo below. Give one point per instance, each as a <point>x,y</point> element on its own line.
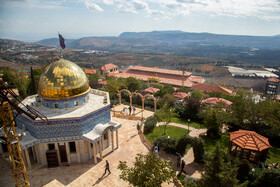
<point>179,158</point>
<point>107,167</point>
<point>129,110</point>
<point>183,166</point>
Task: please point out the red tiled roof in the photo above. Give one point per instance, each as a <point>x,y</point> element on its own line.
<point>90,71</point>
<point>159,70</point>
<point>174,82</point>
<point>215,100</point>
<point>107,67</point>
<point>151,90</point>
<point>211,88</point>
<point>196,79</point>
<point>249,140</point>
<point>111,74</point>
<point>180,95</point>
<point>102,83</point>
<point>273,79</point>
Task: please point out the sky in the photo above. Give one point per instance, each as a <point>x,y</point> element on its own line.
<point>31,20</point>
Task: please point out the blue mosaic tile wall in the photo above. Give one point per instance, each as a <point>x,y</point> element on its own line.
<point>65,127</point>
<point>61,103</point>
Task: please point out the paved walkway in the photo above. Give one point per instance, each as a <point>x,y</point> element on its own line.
<point>192,169</point>
<point>89,174</point>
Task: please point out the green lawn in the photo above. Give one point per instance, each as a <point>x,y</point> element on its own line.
<point>185,122</point>
<point>210,143</point>
<point>173,132</point>
<point>273,155</point>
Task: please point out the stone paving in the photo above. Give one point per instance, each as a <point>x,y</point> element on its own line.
<point>92,175</point>
<point>192,169</point>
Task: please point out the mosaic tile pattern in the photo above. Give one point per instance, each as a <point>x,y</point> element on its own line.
<point>60,128</point>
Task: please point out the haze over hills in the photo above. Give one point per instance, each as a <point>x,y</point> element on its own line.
<point>171,38</point>
<point>252,49</point>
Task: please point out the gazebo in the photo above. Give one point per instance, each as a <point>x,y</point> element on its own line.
<point>152,90</point>
<point>249,145</point>
<point>180,95</point>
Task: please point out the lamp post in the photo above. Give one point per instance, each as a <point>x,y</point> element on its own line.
<point>189,124</point>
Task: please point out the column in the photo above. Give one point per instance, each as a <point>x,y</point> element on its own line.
<point>78,151</point>
<point>23,157</point>
<point>34,153</point>
<point>100,150</point>
<point>37,150</point>
<point>57,150</point>
<point>89,150</point>
<point>94,152</point>
<point>68,152</point>
<point>112,137</point>
<point>117,138</point>
<point>27,159</point>
<point>1,149</point>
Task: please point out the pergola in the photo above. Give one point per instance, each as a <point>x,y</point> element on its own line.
<point>249,145</point>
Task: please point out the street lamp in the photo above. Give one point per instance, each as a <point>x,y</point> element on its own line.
<point>189,124</point>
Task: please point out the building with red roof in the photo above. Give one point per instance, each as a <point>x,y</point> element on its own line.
<point>211,88</point>
<point>249,145</point>
<point>215,100</point>
<point>108,68</point>
<point>166,76</point>
<point>90,71</point>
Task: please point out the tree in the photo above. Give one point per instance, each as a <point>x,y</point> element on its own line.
<point>213,119</point>
<point>133,84</point>
<point>164,90</point>
<point>268,177</point>
<point>198,149</point>
<point>165,114</point>
<point>33,87</point>
<point>93,80</point>
<point>218,172</point>
<point>167,99</point>
<point>112,87</point>
<point>147,171</point>
<point>192,107</point>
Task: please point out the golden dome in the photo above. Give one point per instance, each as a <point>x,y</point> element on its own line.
<point>62,80</point>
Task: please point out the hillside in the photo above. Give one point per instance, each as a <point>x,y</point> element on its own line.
<point>250,49</point>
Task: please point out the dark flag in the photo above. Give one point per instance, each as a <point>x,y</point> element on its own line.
<point>61,41</point>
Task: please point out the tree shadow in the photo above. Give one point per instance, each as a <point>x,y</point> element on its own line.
<point>192,168</point>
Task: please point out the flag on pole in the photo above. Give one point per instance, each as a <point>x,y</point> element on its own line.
<point>61,41</point>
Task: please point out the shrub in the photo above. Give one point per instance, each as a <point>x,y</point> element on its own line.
<point>169,144</point>
<point>268,177</point>
<point>182,144</point>
<point>150,124</point>
<point>198,149</point>
<point>243,170</point>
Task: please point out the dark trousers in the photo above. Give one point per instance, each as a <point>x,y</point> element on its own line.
<point>182,170</point>
<point>107,169</point>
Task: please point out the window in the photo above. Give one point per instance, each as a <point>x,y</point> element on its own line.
<point>55,105</point>
<point>48,105</point>
<point>51,146</point>
<point>72,146</point>
<point>76,103</point>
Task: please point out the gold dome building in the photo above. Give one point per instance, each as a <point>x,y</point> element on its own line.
<point>80,120</point>
<point>62,80</point>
